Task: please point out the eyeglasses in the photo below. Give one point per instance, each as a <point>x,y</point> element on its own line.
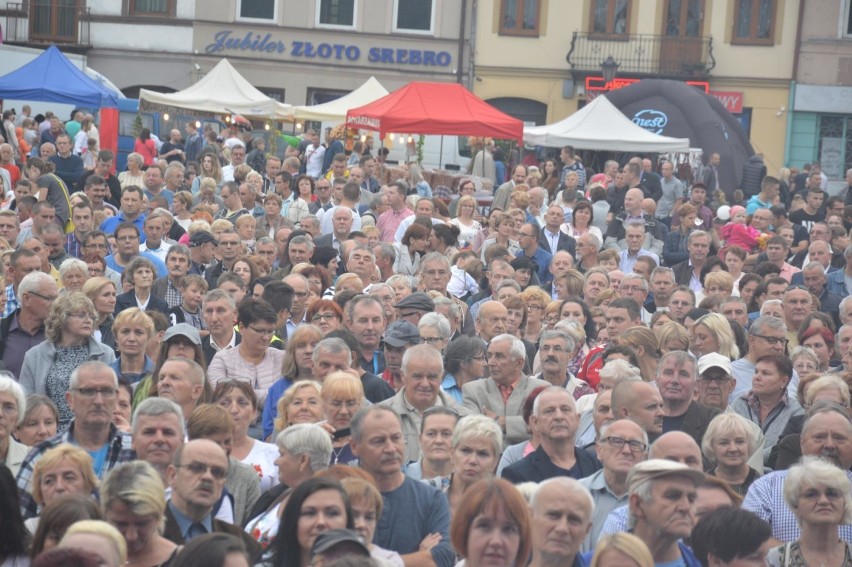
<point>620,442</point>
<point>219,473</point>
<point>126,238</point>
<point>91,393</point>
<point>320,316</point>
<point>50,298</point>
<point>773,340</point>
<point>717,379</point>
<point>815,494</point>
<point>535,307</point>
<point>82,316</point>
<point>350,404</point>
<point>262,332</point>
<point>431,340</point>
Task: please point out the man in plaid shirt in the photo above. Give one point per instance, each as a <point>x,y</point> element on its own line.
<point>827,433</point>
<point>92,396</point>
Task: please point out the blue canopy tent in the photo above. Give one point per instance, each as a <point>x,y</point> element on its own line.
<point>51,77</point>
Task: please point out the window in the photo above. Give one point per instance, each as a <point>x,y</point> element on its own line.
<point>54,20</point>
<point>273,92</point>
<point>610,17</point>
<point>754,22</point>
<point>152,7</point>
<point>519,17</point>
<point>257,10</point>
<point>414,16</point>
<point>337,13</point>
<point>846,23</point>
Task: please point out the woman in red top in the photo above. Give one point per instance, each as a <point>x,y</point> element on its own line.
<point>145,147</point>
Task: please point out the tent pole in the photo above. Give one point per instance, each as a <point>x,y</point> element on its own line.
<point>441,153</point>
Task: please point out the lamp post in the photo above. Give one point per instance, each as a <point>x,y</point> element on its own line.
<point>609,68</point>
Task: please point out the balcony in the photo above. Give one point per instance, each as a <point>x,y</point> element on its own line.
<point>656,55</point>
<point>39,23</point>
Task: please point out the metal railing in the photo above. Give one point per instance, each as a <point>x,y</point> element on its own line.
<point>47,22</point>
<point>660,55</point>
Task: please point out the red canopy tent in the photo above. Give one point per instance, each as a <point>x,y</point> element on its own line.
<point>435,108</point>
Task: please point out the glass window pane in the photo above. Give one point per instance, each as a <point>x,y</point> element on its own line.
<point>510,14</point>
<point>530,15</point>
<point>600,16</point>
<point>619,24</point>
<point>260,9</point>
<point>414,15</point>
<point>743,27</point>
<point>337,12</point>
<point>693,18</point>
<point>849,20</point>
<point>764,19</point>
<point>151,6</point>
<point>673,18</point>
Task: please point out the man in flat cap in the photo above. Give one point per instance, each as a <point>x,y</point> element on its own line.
<point>662,508</point>
<point>414,306</point>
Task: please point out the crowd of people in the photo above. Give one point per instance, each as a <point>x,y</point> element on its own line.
<point>222,356</point>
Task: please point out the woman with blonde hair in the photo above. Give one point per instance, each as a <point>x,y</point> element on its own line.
<point>301,403</point>
<point>644,343</point>
<point>102,292</point>
<point>99,536</point>
<point>468,226</point>
<point>712,333</point>
<point>728,443</point>
<point>66,469</point>
<point>69,342</point>
<point>133,495</point>
<point>416,180</point>
<point>342,396</point>
<point>718,284</point>
<point>367,504</point>
<point>536,300</point>
<point>672,336</point>
<point>621,549</point>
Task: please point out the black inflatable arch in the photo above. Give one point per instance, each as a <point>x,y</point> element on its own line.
<point>673,108</point>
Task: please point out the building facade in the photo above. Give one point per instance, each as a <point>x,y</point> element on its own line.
<point>821,94</point>
<point>313,51</point>
<point>541,59</point>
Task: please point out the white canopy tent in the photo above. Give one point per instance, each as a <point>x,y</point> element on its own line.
<point>335,110</point>
<point>221,91</point>
<point>601,126</point>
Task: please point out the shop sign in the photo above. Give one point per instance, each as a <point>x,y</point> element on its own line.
<point>731,100</point>
<point>228,41</point>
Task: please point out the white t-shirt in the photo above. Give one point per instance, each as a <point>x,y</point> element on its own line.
<point>262,459</point>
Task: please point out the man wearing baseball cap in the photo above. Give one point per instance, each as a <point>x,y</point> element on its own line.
<point>397,338</point>
<point>662,508</point>
<point>201,247</point>
<point>715,381</point>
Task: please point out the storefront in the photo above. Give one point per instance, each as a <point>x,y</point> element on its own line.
<point>821,130</point>
<point>315,66</point>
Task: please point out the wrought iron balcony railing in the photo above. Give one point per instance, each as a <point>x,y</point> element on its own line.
<point>659,55</point>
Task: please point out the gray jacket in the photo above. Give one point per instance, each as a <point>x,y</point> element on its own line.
<point>37,363</point>
<point>775,423</point>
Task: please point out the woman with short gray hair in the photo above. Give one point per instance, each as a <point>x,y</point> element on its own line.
<point>73,273</point>
<point>728,443</point>
<point>13,406</point>
<point>820,496</point>
<point>304,450</point>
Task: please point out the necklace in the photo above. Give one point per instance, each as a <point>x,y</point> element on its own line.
<point>337,452</point>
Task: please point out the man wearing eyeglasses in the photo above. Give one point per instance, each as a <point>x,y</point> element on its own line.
<point>92,397</point>
<point>767,335</point>
<point>715,381</point>
<point>23,328</point>
<point>621,445</point>
<point>197,476</point>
